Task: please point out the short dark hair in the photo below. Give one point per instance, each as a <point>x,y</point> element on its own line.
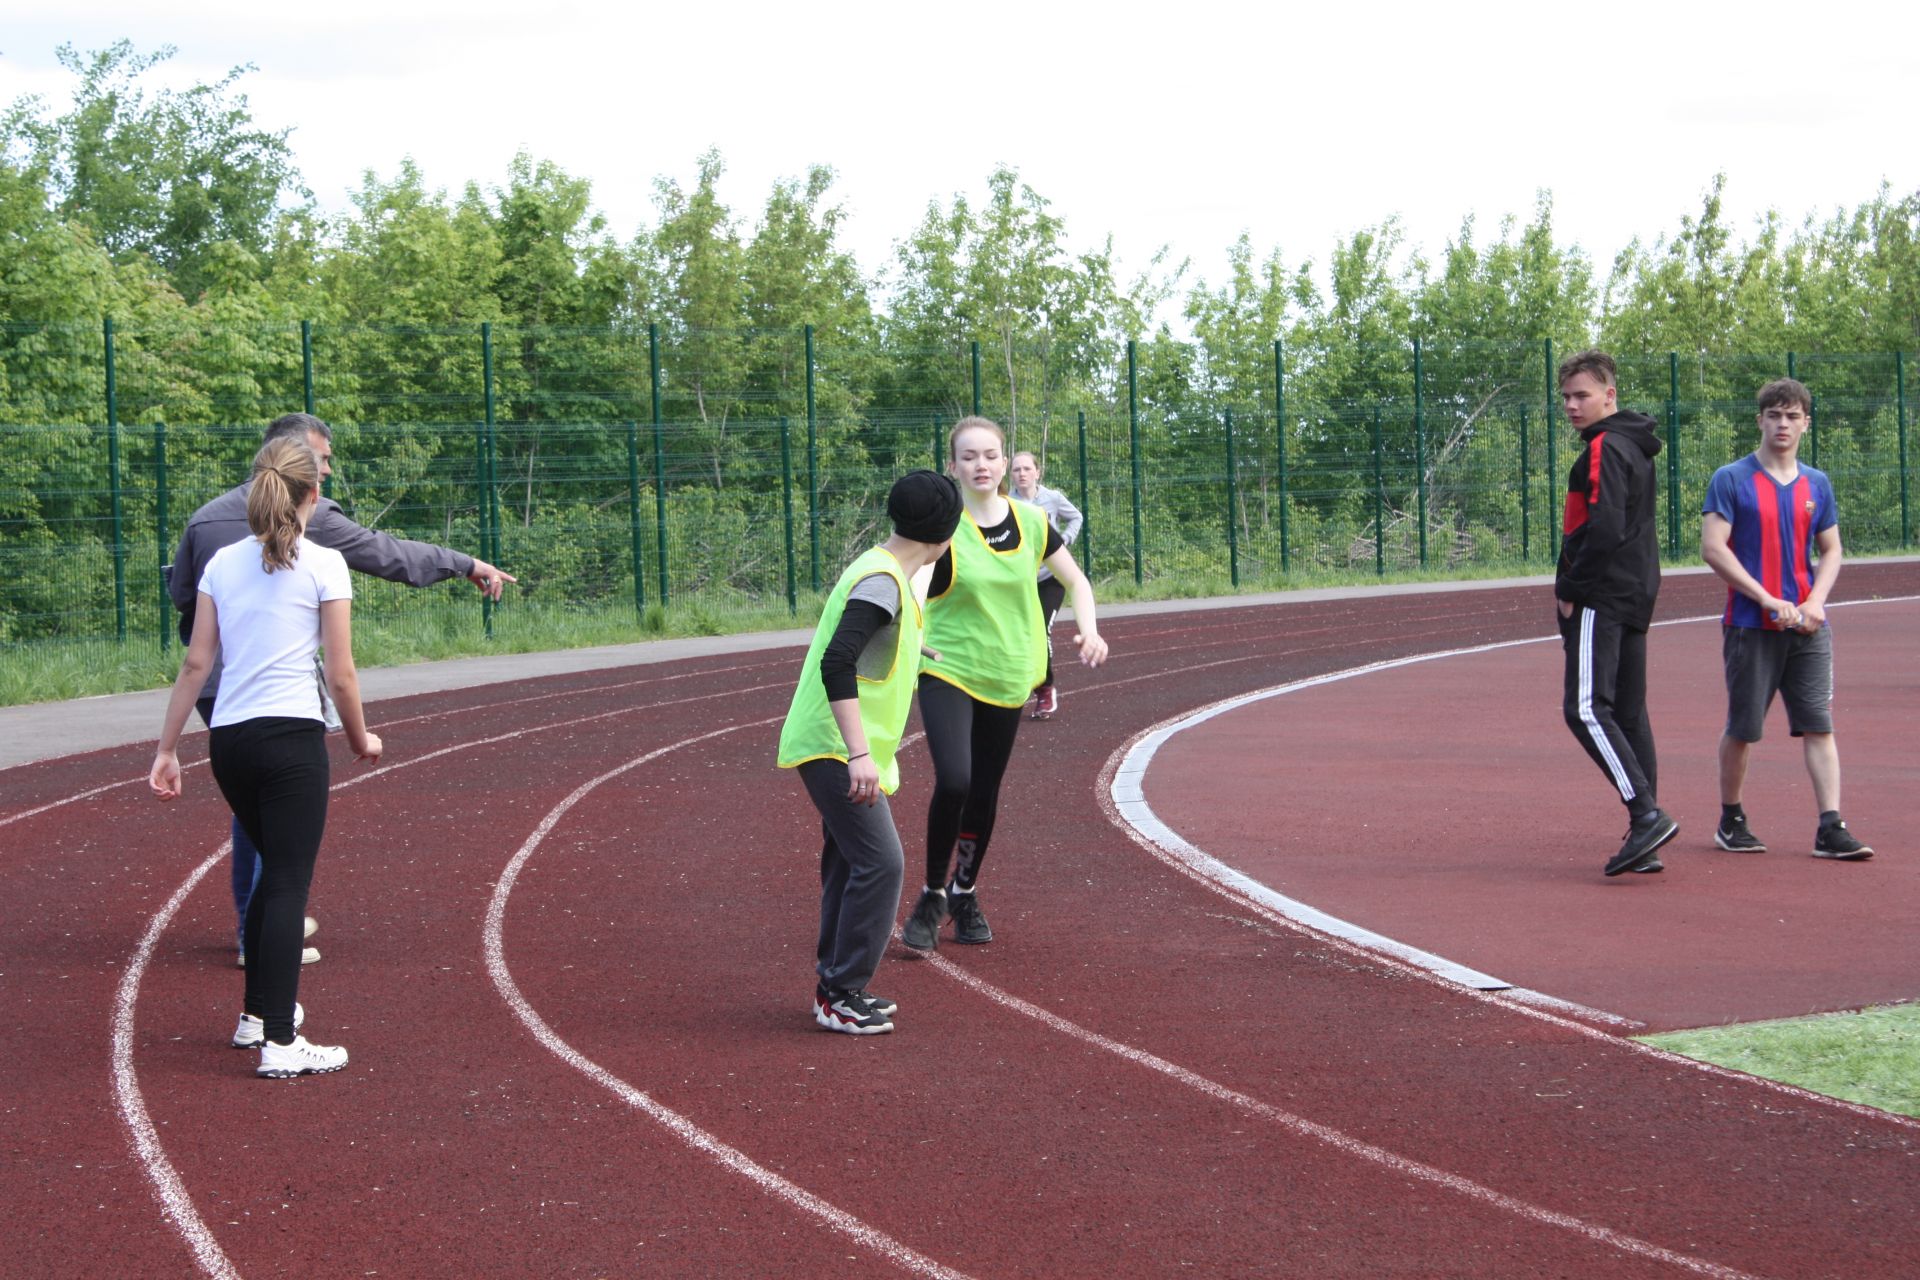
<point>295,426</point>
<point>1783,393</point>
<point>1598,364</point>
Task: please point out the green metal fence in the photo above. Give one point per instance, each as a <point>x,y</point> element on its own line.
<point>625,469</point>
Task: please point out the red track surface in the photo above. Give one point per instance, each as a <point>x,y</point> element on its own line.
<point>1140,1076</point>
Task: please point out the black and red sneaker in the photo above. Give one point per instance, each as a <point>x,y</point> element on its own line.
<point>850,1012</point>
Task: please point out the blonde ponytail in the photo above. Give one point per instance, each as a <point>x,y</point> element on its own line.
<point>285,474</point>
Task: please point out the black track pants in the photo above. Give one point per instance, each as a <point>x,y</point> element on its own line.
<point>1606,703</point>
<point>971,742</point>
<point>273,772</point>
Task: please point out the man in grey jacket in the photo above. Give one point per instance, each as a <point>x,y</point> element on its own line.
<point>1066,519</point>
<point>223,521</point>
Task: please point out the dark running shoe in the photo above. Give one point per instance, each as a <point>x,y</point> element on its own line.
<point>880,1004</point>
<point>1836,842</point>
<point>1651,865</point>
<point>922,931</point>
<point>1045,702</point>
<point>1735,838</point>
<point>849,1012</point>
<point>1643,839</point>
<point>969,921</point>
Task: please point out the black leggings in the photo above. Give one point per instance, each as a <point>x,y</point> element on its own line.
<point>971,742</point>
<point>1052,593</point>
<point>273,772</point>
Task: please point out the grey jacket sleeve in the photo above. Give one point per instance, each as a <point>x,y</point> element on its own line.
<point>418,564</point>
<point>1065,516</point>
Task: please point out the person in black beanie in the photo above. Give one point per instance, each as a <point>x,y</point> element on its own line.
<point>842,731</point>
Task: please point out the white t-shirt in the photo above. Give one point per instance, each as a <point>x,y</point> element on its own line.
<point>270,628</point>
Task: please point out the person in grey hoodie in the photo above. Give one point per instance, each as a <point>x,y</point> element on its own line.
<point>224,521</point>
<point>1066,520</point>
<point>1604,588</point>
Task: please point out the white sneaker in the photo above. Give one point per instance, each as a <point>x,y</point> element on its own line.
<point>285,1061</point>
<point>252,1030</point>
<point>307,954</point>
<point>313,927</point>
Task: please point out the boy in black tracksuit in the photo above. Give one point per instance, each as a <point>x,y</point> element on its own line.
<point>1605,587</point>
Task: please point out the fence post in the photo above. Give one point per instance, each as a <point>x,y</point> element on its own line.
<point>487,513</point>
<point>976,379</point>
<point>1553,526</point>
<point>1233,532</point>
<point>306,365</point>
<point>813,473</point>
<point>1420,449</point>
<point>1280,447</point>
<point>160,523</point>
<point>1085,538</point>
<point>1673,453</point>
<point>1133,429</point>
<point>113,468</point>
<point>1525,484</point>
<point>1900,401</point>
<point>1379,487</point>
<point>786,504</point>
<point>633,520</point>
<point>660,505</point>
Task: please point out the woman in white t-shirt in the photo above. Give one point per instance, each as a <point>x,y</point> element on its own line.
<point>265,604</point>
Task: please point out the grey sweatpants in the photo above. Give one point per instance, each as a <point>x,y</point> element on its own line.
<point>861,869</point>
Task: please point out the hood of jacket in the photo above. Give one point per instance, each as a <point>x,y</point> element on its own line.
<point>1643,431</point>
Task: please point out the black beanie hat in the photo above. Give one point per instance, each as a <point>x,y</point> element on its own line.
<point>924,506</point>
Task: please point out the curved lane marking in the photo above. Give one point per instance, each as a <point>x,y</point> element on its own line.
<point>732,1158</point>
<point>175,1201</point>
<point>1127,809</point>
<point>1340,1141</point>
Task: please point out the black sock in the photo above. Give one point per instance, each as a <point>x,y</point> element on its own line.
<point>1829,818</point>
<point>1730,814</point>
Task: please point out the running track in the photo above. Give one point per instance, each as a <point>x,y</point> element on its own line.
<point>568,929</point>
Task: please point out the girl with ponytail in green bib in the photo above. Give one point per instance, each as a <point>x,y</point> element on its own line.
<point>842,732</point>
<point>985,624</point>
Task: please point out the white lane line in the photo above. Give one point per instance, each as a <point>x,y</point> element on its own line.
<point>1335,1138</point>
<point>730,1157</point>
<point>1224,880</point>
<point>386,724</point>
<point>175,1203</point>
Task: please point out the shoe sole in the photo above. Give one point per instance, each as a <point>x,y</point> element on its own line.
<point>1647,856</point>
<point>283,1074</point>
<point>932,943</point>
<point>831,1023</point>
<point>1721,842</point>
<point>1859,855</point>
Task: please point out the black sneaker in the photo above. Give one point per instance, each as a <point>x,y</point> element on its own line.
<point>1735,838</point>
<point>922,931</point>
<point>969,922</point>
<point>1643,838</point>
<point>880,1004</point>
<point>1836,842</point>
<point>849,1012</point>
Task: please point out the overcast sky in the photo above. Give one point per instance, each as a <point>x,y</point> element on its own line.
<point>1181,124</point>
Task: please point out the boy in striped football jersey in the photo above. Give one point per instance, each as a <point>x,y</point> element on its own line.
<point>1763,518</point>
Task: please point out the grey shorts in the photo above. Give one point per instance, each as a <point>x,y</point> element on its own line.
<point>1760,664</point>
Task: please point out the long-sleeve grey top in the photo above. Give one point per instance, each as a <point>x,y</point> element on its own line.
<point>223,521</point>
<point>1061,514</point>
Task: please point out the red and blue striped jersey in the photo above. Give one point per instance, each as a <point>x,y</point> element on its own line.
<point>1774,530</point>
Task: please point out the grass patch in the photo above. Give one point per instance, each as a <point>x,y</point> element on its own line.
<point>1872,1056</point>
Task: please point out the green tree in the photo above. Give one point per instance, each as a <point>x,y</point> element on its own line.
<point>169,175</point>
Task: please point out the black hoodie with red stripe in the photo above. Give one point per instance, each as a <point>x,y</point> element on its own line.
<point>1610,558</point>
